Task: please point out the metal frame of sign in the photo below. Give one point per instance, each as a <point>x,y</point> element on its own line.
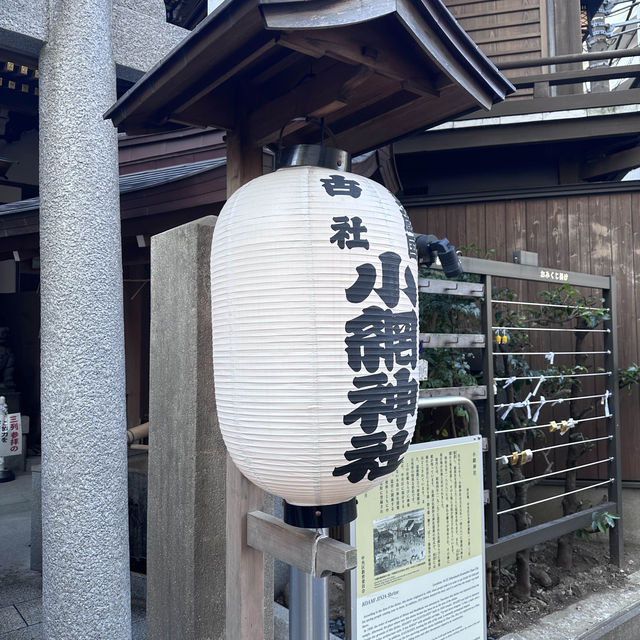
<point>351,577</point>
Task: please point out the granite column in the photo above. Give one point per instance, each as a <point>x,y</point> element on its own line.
<point>84,472</point>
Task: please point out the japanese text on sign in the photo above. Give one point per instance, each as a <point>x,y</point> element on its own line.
<point>10,434</point>
<point>419,537</point>
<point>560,276</point>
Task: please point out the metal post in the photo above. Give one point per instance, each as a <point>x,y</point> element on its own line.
<point>491,510</point>
<point>616,544</point>
<point>308,605</point>
<point>350,589</point>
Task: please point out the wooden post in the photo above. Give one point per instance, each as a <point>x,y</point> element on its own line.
<point>244,161</point>
<point>186,545</point>
<point>249,574</point>
<point>203,580</point>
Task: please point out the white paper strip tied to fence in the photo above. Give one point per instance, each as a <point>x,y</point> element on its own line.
<point>315,333</point>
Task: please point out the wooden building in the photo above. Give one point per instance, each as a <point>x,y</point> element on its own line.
<point>543,172</point>
<point>165,181</point>
<point>171,177</point>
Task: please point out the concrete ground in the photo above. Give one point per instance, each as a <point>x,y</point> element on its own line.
<point>21,588</point>
<point>606,616</point>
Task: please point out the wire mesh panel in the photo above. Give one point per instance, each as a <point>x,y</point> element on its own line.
<point>550,367</point>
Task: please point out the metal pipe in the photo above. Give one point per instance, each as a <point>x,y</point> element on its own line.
<point>542,426</point>
<point>568,375</point>
<point>570,57</point>
<point>138,432</point>
<point>545,353</point>
<point>561,495</point>
<point>308,605</point>
<point>552,473</point>
<point>555,306</point>
<point>563,329</point>
<point>553,401</point>
<point>450,401</point>
<point>564,444</point>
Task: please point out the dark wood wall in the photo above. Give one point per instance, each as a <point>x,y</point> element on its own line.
<point>510,30</point>
<point>597,234</point>
<point>506,30</point>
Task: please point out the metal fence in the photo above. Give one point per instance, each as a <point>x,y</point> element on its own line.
<point>602,375</point>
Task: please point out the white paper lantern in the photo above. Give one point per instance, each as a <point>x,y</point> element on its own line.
<point>315,333</point>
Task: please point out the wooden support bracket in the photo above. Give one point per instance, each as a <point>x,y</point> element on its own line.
<point>473,393</point>
<point>450,287</point>
<point>452,340</point>
<point>304,549</point>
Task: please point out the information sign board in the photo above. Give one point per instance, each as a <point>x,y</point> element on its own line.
<point>10,435</point>
<point>420,541</point>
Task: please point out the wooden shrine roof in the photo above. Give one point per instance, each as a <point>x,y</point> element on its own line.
<point>374,70</point>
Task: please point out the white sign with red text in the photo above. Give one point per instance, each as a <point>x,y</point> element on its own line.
<point>10,435</point>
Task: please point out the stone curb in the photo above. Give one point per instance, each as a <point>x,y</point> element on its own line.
<point>620,626</point>
<point>598,616</point>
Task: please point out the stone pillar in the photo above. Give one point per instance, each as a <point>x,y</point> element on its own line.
<point>84,470</point>
<point>195,534</point>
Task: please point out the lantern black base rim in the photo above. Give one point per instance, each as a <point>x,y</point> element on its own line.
<point>320,517</point>
<point>6,475</point>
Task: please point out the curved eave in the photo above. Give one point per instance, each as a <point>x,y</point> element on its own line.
<point>138,102</point>
<point>419,55</point>
<point>443,39</point>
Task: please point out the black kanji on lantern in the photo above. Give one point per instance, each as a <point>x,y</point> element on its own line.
<point>376,337</point>
<point>348,232</point>
<point>379,334</point>
<point>370,456</point>
<point>389,291</point>
<point>376,397</point>
<point>338,185</point>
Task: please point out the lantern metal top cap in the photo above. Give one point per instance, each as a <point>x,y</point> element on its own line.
<point>314,155</point>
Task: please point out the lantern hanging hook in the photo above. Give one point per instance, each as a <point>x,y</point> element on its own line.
<point>317,155</point>
<point>319,122</point>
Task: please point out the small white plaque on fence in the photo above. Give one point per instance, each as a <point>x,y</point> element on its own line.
<point>10,435</point>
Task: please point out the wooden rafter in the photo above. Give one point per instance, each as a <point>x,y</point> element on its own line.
<point>610,164</point>
<point>318,96</point>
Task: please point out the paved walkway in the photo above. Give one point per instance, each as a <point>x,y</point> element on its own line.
<point>21,588</point>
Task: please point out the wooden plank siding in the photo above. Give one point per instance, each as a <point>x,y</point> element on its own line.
<point>598,234</point>
<point>504,30</point>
